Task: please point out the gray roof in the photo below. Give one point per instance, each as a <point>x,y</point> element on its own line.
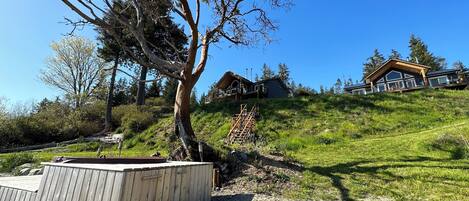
<point>441,72</point>
<point>356,86</point>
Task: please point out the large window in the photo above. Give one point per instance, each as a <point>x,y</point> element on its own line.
<point>395,85</point>
<point>381,87</point>
<point>439,81</point>
<point>359,91</point>
<point>410,83</point>
<point>393,75</point>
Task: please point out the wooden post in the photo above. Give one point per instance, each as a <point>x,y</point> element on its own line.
<point>201,152</point>
<point>425,80</point>
<point>216,178</point>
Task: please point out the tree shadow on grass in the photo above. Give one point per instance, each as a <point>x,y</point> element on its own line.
<point>333,172</point>
<point>237,197</point>
<point>364,167</point>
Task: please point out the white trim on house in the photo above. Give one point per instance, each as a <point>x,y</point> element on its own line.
<point>400,85</point>
<point>408,76</point>
<point>412,81</point>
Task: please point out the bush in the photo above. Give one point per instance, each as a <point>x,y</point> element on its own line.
<point>16,159</point>
<point>137,122</point>
<point>456,146</point>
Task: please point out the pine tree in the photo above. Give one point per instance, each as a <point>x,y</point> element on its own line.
<point>373,63</point>
<point>338,86</point>
<point>322,90</point>
<point>155,89</point>
<point>459,65</point>
<point>203,99</point>
<point>193,101</point>
<point>284,73</point>
<point>395,54</point>
<point>419,54</point>
<point>170,89</point>
<point>267,72</point>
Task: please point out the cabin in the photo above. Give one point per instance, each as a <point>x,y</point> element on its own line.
<point>232,86</point>
<point>400,76</point>
<point>117,179</point>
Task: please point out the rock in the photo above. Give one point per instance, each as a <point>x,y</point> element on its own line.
<point>241,156</point>
<point>36,171</point>
<point>26,165</point>
<point>24,171</point>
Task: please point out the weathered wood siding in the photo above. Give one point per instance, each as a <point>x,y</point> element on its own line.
<point>13,194</point>
<point>172,181</point>
<point>182,183</point>
<point>79,184</point>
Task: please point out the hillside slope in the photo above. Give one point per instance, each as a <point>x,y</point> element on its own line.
<point>380,146</point>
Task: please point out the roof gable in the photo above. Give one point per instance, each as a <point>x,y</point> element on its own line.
<point>398,64</point>
<point>228,77</point>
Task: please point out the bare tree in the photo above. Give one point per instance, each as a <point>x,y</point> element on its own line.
<point>240,22</point>
<point>74,69</point>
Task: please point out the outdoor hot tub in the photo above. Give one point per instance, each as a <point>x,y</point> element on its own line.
<point>112,179</point>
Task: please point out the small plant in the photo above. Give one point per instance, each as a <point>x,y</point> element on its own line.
<point>16,159</point>
<point>455,145</point>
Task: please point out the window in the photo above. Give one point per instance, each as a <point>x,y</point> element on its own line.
<point>393,75</point>
<point>439,81</point>
<point>410,83</point>
<point>395,85</point>
<point>381,87</point>
<point>359,91</point>
<point>381,80</point>
<point>408,76</point>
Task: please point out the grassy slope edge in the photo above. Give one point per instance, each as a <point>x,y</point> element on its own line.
<point>352,147</point>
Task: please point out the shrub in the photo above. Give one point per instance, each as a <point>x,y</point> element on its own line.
<point>456,146</point>
<point>137,122</point>
<point>16,159</point>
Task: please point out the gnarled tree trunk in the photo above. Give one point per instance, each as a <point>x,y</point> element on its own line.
<point>183,127</point>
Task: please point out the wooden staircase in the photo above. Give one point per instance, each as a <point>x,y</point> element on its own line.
<point>242,125</point>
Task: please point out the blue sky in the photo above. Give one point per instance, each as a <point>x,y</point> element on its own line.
<point>319,40</point>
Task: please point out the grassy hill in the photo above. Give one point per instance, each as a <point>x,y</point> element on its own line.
<point>381,146</point>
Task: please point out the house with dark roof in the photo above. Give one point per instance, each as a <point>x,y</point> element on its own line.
<point>399,76</point>
<point>232,86</point>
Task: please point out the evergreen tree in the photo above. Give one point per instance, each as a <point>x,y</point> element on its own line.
<point>194,102</point>
<point>322,90</point>
<point>155,89</point>
<point>284,73</point>
<point>170,89</point>
<point>395,54</point>
<point>257,78</point>
<point>372,63</point>
<point>203,99</point>
<point>267,72</point>
<point>338,86</point>
<point>419,54</point>
<point>459,65</point>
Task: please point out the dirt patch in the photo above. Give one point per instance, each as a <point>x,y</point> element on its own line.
<point>261,175</point>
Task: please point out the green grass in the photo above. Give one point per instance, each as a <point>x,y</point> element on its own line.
<point>401,167</point>
<point>377,146</point>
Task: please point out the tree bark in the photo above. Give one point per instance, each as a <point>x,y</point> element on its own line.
<point>183,127</point>
<point>141,86</point>
<point>108,116</point>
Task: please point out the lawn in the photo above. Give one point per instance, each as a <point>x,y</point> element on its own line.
<point>400,167</point>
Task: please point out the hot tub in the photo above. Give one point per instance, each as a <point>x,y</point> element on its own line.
<point>117,180</point>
